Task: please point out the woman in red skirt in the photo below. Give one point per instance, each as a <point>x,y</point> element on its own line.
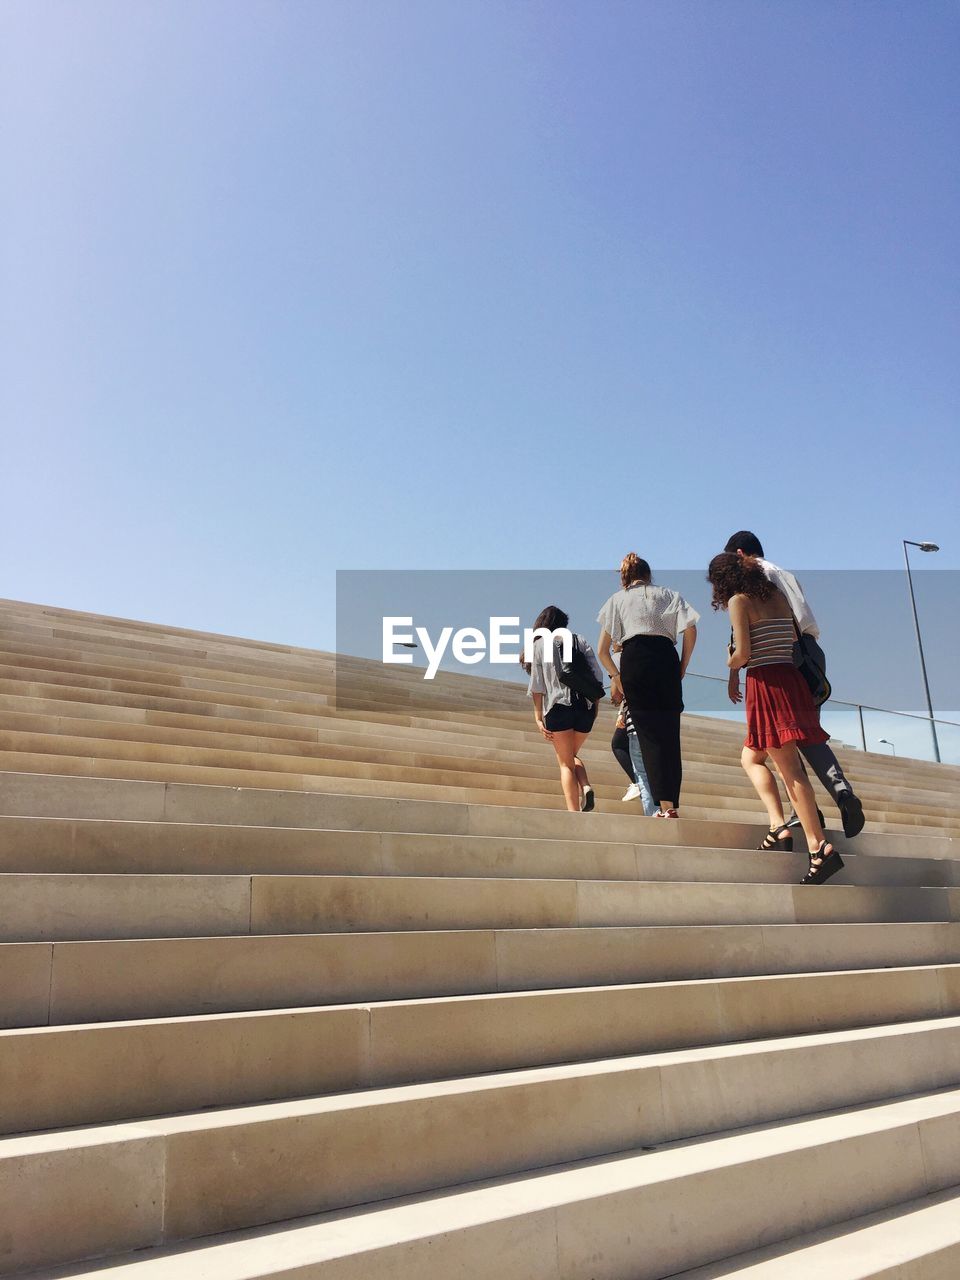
<point>780,708</point>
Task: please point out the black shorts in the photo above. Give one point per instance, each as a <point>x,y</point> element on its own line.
<point>579,716</point>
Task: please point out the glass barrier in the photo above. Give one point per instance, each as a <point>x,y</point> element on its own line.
<point>894,733</point>
<point>707,696</point>
<point>842,721</point>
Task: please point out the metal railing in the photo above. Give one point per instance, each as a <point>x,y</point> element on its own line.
<point>854,724</point>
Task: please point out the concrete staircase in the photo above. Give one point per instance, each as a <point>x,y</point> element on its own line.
<point>290,989</point>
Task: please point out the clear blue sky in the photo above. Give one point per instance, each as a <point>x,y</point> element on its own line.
<point>298,285</point>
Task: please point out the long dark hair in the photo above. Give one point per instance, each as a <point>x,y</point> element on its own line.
<point>552,618</point>
<point>731,575</point>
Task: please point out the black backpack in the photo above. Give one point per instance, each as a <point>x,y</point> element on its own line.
<point>578,676</point>
<point>809,658</point>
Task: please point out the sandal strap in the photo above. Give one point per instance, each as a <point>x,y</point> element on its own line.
<point>772,838</point>
<point>821,856</point>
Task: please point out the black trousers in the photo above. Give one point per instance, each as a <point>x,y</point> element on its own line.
<point>650,675</point>
<point>620,746</point>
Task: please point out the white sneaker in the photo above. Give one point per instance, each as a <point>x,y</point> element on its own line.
<point>632,792</point>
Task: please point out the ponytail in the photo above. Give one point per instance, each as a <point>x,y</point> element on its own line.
<point>634,569</point>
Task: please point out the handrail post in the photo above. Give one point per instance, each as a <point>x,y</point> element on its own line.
<point>916,623</point>
<point>863,732</point>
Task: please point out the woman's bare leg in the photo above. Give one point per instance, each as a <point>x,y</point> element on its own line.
<point>787,760</point>
<point>565,744</point>
<point>579,767</point>
<point>765,784</point>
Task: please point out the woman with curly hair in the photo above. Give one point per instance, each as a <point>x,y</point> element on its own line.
<point>647,621</point>
<point>780,708</point>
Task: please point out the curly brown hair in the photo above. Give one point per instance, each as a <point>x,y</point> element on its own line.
<point>731,575</point>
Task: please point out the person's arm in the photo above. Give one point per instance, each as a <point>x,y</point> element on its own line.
<point>686,624</point>
<point>804,614</point>
<point>608,664</point>
<point>740,622</point>
<point>536,689</point>
<point>788,584</point>
<point>538,715</point>
<point>686,650</point>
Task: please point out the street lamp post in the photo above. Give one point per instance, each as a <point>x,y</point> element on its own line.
<point>887,743</point>
<point>924,546</point>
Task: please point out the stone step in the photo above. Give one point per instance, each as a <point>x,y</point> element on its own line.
<point>197,694</point>
<point>56,1077</point>
<point>538,783</point>
<point>919,1240</point>
<point>106,650</point>
<point>323,928</point>
<point>529,768</point>
<point>210,686</point>
<point>704,734</point>
<point>215,1171</point>
<point>357,780</point>
<point>33,714</point>
<point>365,781</point>
<point>53,907</point>
<point>438,737</point>
<point>326,685</point>
<point>351,780</point>
<point>314,670</point>
<point>526,753</point>
<point>595,1218</point>
<point>101,981</point>
<point>177,643</point>
<point>112,847</point>
<point>509,704</point>
<point>51,754</point>
<point>397,767</point>
<point>55,616</point>
<point>516,721</point>
<point>26,794</point>
<point>510,716</point>
<point>175,640</point>
<point>727,768</point>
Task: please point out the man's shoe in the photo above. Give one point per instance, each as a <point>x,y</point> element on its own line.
<point>793,821</point>
<point>632,792</point>
<point>851,811</point>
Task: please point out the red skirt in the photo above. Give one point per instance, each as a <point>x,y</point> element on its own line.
<point>780,708</point>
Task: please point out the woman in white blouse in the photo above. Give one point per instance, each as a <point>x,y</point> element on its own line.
<point>647,621</point>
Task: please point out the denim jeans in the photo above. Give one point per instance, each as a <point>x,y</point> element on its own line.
<point>650,807</point>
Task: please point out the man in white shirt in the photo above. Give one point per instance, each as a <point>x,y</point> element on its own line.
<point>819,756</point>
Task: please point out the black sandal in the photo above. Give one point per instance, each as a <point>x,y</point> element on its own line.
<point>823,865</point>
<point>772,841</point>
<point>794,820</point>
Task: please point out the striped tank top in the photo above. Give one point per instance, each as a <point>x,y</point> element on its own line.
<point>771,641</point>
